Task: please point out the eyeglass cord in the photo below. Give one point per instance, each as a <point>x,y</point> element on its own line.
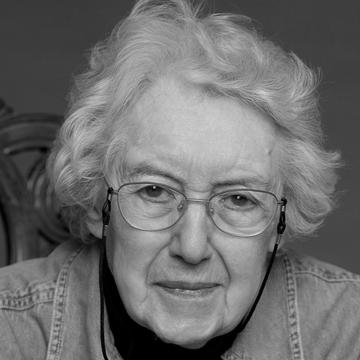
<point>101,284</point>
<point>106,210</point>
<point>240,327</point>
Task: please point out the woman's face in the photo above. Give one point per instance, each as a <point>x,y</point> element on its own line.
<point>192,282</point>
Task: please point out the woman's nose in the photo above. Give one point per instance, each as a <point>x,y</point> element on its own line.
<point>192,234</point>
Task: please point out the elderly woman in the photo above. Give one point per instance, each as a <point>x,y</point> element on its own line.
<point>190,144</point>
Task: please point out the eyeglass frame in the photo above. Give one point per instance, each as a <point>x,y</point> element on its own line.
<point>282,203</point>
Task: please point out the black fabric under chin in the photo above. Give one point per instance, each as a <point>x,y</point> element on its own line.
<point>136,342</point>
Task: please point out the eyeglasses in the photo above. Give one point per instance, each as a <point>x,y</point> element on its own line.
<point>154,207</point>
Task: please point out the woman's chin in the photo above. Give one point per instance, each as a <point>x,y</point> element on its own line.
<point>189,336</point>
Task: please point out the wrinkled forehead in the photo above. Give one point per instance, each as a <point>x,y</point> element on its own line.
<point>186,108</point>
<point>197,137</point>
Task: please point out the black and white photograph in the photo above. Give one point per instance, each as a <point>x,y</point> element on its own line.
<point>179,179</point>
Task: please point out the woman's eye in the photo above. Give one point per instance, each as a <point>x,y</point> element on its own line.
<point>238,201</point>
<point>154,192</point>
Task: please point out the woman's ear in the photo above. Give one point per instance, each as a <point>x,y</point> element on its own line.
<point>94,222</point>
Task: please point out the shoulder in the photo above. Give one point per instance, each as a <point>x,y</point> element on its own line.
<point>36,273</point>
<point>328,306</point>
<point>27,293</point>
<point>320,281</point>
<point>307,266</point>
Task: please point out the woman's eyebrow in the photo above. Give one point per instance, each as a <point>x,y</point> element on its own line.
<point>246,181</point>
<point>145,169</point>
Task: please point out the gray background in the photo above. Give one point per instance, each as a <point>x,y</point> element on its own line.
<point>43,42</point>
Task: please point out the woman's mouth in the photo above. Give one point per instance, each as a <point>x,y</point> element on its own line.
<point>187,289</point>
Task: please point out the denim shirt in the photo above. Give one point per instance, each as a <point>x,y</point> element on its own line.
<point>50,309</point>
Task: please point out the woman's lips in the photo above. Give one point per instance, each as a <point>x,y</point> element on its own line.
<point>186,289</point>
